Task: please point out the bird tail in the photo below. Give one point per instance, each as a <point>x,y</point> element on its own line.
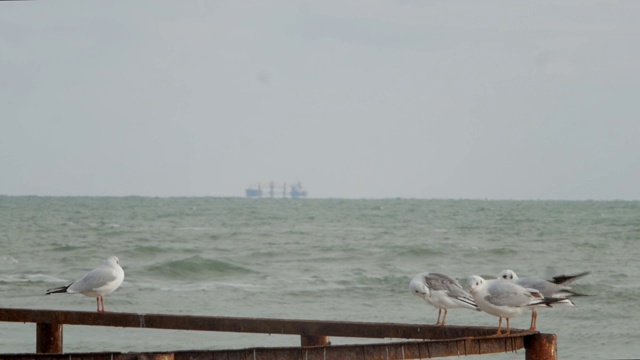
<point>567,293</point>
<point>551,301</point>
<point>58,290</point>
<point>563,302</point>
<point>568,279</point>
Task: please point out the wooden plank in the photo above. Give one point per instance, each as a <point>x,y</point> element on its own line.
<point>542,347</point>
<point>442,340</point>
<point>250,325</point>
<point>49,338</point>
<point>384,351</point>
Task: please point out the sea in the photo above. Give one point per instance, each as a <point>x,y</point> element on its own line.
<point>317,259</point>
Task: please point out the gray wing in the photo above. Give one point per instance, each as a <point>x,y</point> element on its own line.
<point>437,281</point>
<point>546,288</point>
<point>94,279</point>
<point>505,293</point>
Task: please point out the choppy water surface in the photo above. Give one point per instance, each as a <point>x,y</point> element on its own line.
<point>314,259</point>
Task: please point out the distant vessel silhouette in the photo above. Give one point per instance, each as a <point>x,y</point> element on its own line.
<point>294,191</point>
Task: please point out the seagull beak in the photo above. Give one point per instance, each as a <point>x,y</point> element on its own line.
<point>472,290</point>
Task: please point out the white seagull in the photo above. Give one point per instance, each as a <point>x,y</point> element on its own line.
<point>506,299</point>
<point>556,288</point>
<point>442,292</point>
<point>97,283</point>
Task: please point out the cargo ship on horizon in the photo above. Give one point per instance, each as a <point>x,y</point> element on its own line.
<point>293,191</point>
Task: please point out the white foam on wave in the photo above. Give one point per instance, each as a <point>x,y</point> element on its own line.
<point>203,286</point>
<point>8,260</point>
<point>23,278</point>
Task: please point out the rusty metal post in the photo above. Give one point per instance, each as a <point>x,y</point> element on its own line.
<point>164,356</point>
<point>541,347</point>
<point>312,340</point>
<point>49,338</point>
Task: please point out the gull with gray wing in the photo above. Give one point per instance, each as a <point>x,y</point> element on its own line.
<point>97,283</point>
<point>557,287</point>
<point>442,292</point>
<point>506,299</point>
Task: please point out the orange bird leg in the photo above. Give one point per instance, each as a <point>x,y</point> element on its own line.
<point>534,320</point>
<point>499,326</point>
<point>444,319</point>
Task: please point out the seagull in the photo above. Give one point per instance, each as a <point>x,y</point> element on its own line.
<point>97,283</point>
<point>556,287</point>
<point>442,292</point>
<point>506,299</point>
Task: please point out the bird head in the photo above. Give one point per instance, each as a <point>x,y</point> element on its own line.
<point>507,275</point>
<point>418,287</point>
<point>474,282</point>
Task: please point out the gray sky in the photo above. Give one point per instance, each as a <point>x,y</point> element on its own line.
<point>356,99</point>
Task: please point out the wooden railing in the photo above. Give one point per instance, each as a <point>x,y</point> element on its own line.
<point>425,341</point>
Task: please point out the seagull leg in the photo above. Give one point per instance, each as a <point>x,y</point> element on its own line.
<point>439,312</point>
<point>534,320</point>
<point>508,328</point>
<point>102,303</point>
<point>444,319</point>
<point>98,304</point>
<point>499,325</point>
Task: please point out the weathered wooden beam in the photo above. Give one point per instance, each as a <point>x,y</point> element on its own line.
<point>49,338</point>
<point>542,347</point>
<point>103,356</point>
<point>429,341</point>
<point>250,325</point>
<point>314,340</point>
<point>387,351</point>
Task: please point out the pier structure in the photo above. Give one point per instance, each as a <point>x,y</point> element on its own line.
<point>418,341</point>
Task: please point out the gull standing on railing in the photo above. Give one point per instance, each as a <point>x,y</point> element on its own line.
<point>557,287</point>
<point>506,299</point>
<point>442,292</point>
<point>97,283</point>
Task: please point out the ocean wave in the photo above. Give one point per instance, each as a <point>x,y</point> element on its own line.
<point>8,260</point>
<point>179,286</point>
<point>594,244</point>
<point>67,247</point>
<point>494,252</point>
<point>375,281</point>
<point>423,252</point>
<point>194,268</point>
<point>31,278</point>
<point>150,250</point>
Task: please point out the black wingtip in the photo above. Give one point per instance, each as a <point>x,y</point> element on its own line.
<point>567,279</point>
<point>549,301</point>
<point>468,301</point>
<point>58,290</point>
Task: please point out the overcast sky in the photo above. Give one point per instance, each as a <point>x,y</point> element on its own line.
<point>355,99</point>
